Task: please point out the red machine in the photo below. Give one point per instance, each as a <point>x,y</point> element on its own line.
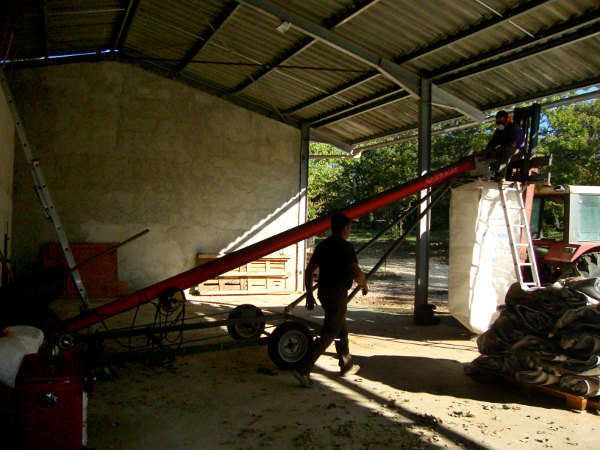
<point>529,118</point>
<point>51,411</point>
<point>230,261</point>
<point>292,335</point>
<point>564,225</point>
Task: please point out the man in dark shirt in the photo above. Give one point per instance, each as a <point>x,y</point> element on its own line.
<point>508,140</point>
<point>336,260</point>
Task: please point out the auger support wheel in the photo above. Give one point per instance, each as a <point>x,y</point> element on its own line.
<point>288,344</point>
<point>246,330</point>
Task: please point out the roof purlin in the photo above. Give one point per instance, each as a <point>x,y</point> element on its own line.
<point>167,71</point>
<point>338,90</point>
<point>587,22</point>
<point>226,14</point>
<point>121,36</point>
<point>469,32</point>
<point>373,102</point>
<point>590,82</point>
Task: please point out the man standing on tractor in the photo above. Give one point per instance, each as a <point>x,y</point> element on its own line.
<point>506,143</point>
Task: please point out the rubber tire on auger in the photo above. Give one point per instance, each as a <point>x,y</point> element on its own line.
<point>587,266</point>
<point>288,344</point>
<point>171,299</point>
<point>240,331</point>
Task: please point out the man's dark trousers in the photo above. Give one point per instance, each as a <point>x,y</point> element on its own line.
<point>334,327</point>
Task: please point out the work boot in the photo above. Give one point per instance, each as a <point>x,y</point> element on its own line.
<point>303,378</point>
<point>350,370</point>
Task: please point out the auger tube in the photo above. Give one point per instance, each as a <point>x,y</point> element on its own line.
<point>257,250</point>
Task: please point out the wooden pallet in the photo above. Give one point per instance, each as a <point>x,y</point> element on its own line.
<point>572,401</point>
<point>264,275</point>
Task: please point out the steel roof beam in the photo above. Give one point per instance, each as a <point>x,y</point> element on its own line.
<point>547,46</point>
<point>270,66</point>
<point>482,26</point>
<point>407,80</point>
<point>583,84</point>
<point>121,35</point>
<point>224,16</point>
<point>544,106</point>
<point>211,88</point>
<point>399,140</point>
<point>305,43</point>
<point>319,136</point>
<point>441,78</point>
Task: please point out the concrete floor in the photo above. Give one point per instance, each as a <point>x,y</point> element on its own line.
<point>411,393</point>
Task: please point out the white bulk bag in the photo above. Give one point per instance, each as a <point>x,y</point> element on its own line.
<point>481,267</point>
<point>21,340</point>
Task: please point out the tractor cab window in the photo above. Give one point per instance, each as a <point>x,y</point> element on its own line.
<point>589,218</point>
<point>547,218</point>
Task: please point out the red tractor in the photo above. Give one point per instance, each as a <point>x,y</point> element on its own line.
<point>565,229</point>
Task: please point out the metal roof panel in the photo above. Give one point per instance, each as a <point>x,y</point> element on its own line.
<point>489,53</point>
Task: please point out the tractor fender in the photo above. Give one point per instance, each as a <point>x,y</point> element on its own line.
<point>567,253</point>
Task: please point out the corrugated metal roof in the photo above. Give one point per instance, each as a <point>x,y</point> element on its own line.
<point>340,66</point>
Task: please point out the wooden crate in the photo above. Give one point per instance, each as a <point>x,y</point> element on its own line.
<point>100,277</point>
<point>267,274</point>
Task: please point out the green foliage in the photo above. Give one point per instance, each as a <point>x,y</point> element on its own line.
<point>448,148</point>
<point>337,183</point>
<point>323,180</point>
<point>553,220</point>
<point>572,135</point>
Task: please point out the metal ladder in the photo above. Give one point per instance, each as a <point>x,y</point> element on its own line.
<point>43,193</point>
<point>516,233</point>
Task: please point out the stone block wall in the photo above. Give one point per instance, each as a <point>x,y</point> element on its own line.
<point>124,150</point>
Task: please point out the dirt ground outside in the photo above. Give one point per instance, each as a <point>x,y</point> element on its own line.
<point>411,392</point>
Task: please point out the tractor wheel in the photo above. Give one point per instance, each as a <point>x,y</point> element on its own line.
<point>288,344</point>
<point>587,266</point>
<point>245,330</point>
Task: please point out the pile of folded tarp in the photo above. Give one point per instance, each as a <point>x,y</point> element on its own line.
<point>547,336</point>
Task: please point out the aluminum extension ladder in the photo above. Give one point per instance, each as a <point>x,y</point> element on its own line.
<point>43,193</point>
<point>519,235</point>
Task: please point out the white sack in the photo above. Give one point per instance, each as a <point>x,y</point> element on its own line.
<point>481,267</point>
<point>21,340</point>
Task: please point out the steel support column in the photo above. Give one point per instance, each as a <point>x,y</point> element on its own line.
<point>302,205</point>
<point>424,162</point>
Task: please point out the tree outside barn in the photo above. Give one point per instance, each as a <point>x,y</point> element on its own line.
<point>570,133</point>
